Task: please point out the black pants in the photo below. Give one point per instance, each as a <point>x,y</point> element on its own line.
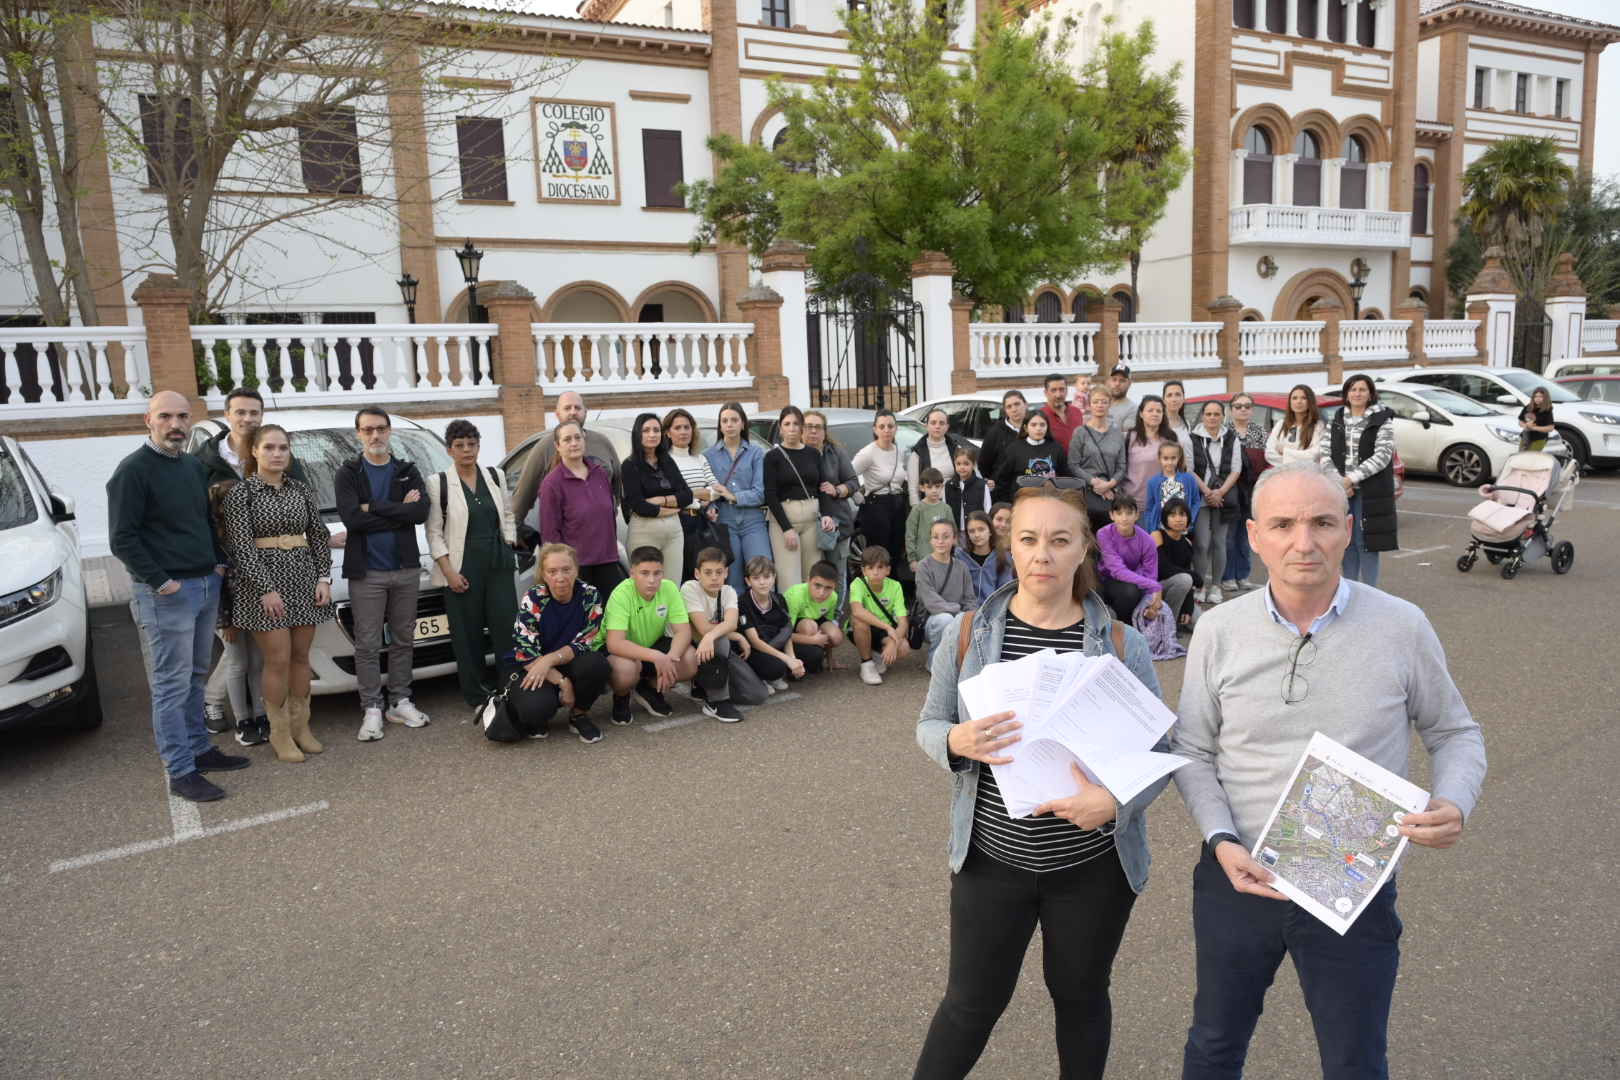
<point>533,709</point>
<point>882,520</point>
<point>994,908</point>
<point>1121,598</point>
<point>604,576</point>
<point>770,668</point>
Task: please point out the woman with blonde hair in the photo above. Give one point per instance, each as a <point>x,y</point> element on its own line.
<point>555,644</point>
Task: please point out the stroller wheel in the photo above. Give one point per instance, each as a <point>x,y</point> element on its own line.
<point>1563,557</point>
<point>1465,563</point>
<point>1510,569</point>
<point>1493,557</point>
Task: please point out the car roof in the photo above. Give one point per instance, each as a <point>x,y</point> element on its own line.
<point>1272,398</point>
<point>318,419</point>
<point>1586,378</point>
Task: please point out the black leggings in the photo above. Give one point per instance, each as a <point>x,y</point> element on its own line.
<point>882,520</point>
<point>994,908</point>
<point>533,709</point>
<point>604,576</point>
<point>1121,597</point>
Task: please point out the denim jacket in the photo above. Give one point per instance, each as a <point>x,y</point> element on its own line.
<point>747,480</point>
<point>944,708</point>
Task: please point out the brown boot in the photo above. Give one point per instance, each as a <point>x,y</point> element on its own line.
<point>281,740</point>
<point>298,713</point>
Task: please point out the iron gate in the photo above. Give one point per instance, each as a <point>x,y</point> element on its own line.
<point>1532,339</point>
<point>865,346</point>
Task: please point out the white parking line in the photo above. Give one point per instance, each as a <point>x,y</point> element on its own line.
<point>188,825</point>
<point>1419,551</point>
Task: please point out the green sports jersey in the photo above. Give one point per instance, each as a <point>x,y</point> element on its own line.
<point>643,621</point>
<point>801,605</point>
<point>892,596</point>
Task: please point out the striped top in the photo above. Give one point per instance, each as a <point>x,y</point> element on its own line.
<point>1048,842</point>
<point>695,471</point>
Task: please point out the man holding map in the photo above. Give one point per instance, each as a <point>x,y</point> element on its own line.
<point>1309,654</point>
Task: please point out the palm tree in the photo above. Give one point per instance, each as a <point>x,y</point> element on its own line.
<point>1515,190</point>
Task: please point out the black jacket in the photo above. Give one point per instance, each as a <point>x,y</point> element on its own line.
<point>220,469</point>
<point>1048,458</point>
<point>963,499</point>
<point>394,515</point>
<point>642,481</point>
<point>996,441</point>
<point>1377,492</point>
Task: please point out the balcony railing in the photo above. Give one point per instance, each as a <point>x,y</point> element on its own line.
<point>616,358</point>
<point>1182,346</point>
<point>1015,348</point>
<point>1374,339</point>
<point>73,370</point>
<point>1319,226</point>
<point>1598,336</point>
<point>1449,337</point>
<point>1264,343</point>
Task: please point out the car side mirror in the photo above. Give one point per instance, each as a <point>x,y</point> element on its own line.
<point>1506,399</point>
<point>62,508</point>
<point>1422,416</point>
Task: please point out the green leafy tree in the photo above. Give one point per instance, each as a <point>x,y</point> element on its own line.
<point>996,157</point>
<point>1514,189</point>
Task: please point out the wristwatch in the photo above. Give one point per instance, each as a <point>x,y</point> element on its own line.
<point>1217,840</point>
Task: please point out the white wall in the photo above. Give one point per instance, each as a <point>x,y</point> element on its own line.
<point>1261,293</point>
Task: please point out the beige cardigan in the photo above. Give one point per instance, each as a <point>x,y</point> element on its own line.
<point>447,531</point>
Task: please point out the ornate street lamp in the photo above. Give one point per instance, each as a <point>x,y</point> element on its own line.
<point>1359,273</point>
<point>407,291</point>
<point>470,257</point>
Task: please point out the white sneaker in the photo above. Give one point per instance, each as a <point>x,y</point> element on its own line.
<point>1215,595</point>
<point>1231,586</point>
<point>880,664</point>
<point>404,712</point>
<point>1200,596</point>
<point>1247,585</point>
<point>769,690</point>
<point>371,726</point>
<point>779,684</point>
<point>869,673</point>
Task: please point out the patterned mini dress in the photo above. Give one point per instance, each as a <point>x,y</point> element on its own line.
<point>253,510</point>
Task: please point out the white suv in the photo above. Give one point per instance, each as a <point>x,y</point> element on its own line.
<point>1590,428</point>
<point>47,670</point>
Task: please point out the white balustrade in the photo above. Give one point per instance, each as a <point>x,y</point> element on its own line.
<point>1015,348</point>
<point>69,370</point>
<point>317,363</point>
<point>1374,339</point>
<point>1169,346</point>
<point>1448,337</point>
<point>1598,336</point>
<point>1319,226</point>
<point>608,358</point>
<point>1264,343</point>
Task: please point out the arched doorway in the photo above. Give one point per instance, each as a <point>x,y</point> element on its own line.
<point>1306,288</point>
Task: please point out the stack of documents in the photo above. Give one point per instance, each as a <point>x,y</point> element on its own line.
<point>1076,709</point>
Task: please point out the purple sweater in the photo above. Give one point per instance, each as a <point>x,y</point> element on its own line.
<point>580,513</point>
<point>1132,559</point>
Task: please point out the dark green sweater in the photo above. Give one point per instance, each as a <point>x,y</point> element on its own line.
<point>157,517</point>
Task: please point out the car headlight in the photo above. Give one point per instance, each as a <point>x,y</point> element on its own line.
<point>1505,434</point>
<point>1602,418</point>
<point>24,602</point>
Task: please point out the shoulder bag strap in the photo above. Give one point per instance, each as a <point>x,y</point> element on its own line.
<point>887,614</point>
<point>796,474</point>
<point>444,494</point>
<point>1119,640</point>
<point>964,635</point>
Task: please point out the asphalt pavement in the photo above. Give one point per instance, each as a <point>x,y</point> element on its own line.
<point>759,900</point>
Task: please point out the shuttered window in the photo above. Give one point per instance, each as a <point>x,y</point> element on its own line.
<point>1243,13</point>
<point>1420,200</point>
<point>1335,20</point>
<point>167,142</point>
<point>1257,166</point>
<point>1277,16</point>
<point>482,149</point>
<point>330,152</point>
<point>1305,20</point>
<point>1307,170</point>
<point>661,162</point>
<point>1353,175</point>
<point>1366,23</point>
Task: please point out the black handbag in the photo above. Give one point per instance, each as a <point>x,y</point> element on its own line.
<point>494,716</point>
<point>713,534</point>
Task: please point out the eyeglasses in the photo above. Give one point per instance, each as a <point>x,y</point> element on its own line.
<point>374,430</point>
<point>1242,406</point>
<point>1294,686</point>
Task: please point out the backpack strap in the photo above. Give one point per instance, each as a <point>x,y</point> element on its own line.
<point>444,494</point>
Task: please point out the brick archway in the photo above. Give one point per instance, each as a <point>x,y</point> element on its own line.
<point>1277,123</point>
<point>1320,283</point>
<point>1371,132</point>
<point>1325,127</point>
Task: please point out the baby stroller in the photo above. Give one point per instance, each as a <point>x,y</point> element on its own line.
<point>1514,523</point>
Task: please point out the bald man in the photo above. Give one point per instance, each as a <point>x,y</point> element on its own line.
<point>157,510</point>
<point>1309,652</point>
<point>570,406</point>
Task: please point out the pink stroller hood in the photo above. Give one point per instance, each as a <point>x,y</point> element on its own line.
<point>1504,515</point>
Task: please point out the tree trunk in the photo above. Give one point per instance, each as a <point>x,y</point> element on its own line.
<point>26,189</point>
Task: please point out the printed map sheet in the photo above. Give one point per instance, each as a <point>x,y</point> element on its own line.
<point>1332,839</point>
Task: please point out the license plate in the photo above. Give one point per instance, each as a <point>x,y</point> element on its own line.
<point>428,628</point>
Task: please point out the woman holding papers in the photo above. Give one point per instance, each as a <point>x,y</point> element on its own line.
<point>1076,865</point>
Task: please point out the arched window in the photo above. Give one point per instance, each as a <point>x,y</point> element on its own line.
<point>1305,21</point>
<point>1308,169</point>
<point>1353,176</point>
<point>1243,13</point>
<point>1048,307</point>
<point>1366,23</point>
<point>1257,166</point>
<point>1079,305</point>
<point>1277,16</point>
<point>1127,306</point>
<point>1012,311</point>
<point>1420,201</point>
<point>1335,20</point>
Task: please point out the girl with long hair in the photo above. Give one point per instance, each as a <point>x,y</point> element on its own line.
<point>1300,435</point>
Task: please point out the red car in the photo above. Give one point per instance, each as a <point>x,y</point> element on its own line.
<point>1593,387</point>
<point>1269,407</point>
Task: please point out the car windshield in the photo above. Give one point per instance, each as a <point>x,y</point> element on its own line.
<point>324,450</point>
<point>1453,402</point>
<point>1527,381</point>
<point>16,502</point>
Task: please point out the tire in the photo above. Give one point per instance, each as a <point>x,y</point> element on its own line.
<point>1577,445</point>
<point>1493,557</point>
<point>85,714</point>
<point>1510,569</point>
<point>1465,563</point>
<point>1464,465</point>
<point>1563,557</point>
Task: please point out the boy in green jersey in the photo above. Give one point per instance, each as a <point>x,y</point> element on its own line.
<point>877,615</point>
<point>648,637</point>
<point>813,607</point>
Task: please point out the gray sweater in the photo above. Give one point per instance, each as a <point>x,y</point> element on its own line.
<point>1379,670</point>
<point>1093,455</point>
<point>945,588</point>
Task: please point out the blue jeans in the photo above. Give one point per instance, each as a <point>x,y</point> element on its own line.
<point>1348,981</point>
<point>177,644</point>
<point>749,537</point>
<point>1239,564</point>
<point>1359,563</point>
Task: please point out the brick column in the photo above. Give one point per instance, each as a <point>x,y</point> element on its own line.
<point>166,313</point>
<point>1418,312</point>
<point>964,380</point>
<point>763,307</point>
<point>1330,312</point>
<point>1481,311</point>
<point>1106,342</point>
<point>1228,310</point>
<point>523,402</point>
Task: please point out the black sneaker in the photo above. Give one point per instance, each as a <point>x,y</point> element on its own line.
<point>216,760</point>
<point>253,732</point>
<point>587,731</point>
<point>195,787</point>
<point>544,732</point>
<point>621,711</point>
<point>214,720</point>
<point>651,700</point>
<point>723,711</point>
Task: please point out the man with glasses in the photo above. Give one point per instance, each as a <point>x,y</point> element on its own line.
<point>382,500</point>
<point>1310,652</point>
